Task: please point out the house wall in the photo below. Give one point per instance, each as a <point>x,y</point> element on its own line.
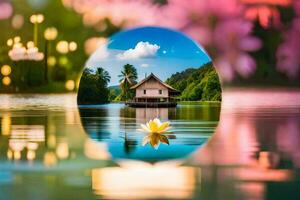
<point>151,93</point>
<point>152,88</point>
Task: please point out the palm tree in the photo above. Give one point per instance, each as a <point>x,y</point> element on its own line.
<point>103,75</point>
<point>128,78</point>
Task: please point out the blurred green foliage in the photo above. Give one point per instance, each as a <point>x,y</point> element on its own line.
<point>70,28</point>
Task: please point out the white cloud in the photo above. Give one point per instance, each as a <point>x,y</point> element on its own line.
<point>144,65</point>
<point>141,50</point>
<point>100,55</point>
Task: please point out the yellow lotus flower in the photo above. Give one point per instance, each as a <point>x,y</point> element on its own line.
<point>155,129</point>
<point>155,126</point>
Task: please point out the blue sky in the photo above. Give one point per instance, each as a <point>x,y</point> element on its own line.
<point>150,49</point>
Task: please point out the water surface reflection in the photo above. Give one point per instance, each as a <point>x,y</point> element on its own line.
<point>259,135</point>
<point>118,126</point>
<point>45,153</point>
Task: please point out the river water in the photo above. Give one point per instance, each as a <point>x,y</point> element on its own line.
<point>248,148</point>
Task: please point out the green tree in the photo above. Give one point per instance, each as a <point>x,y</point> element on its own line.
<point>128,79</point>
<point>197,84</point>
<point>211,88</point>
<point>93,87</point>
<point>103,79</point>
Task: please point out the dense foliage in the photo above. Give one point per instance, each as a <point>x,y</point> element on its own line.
<point>194,84</point>
<point>93,87</point>
<point>114,92</point>
<point>25,75</point>
<point>197,84</point>
<point>65,66</point>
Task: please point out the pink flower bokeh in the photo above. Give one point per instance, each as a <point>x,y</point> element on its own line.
<point>266,12</point>
<point>224,27</point>
<point>217,25</point>
<point>288,54</point>
<point>221,28</point>
<point>126,13</point>
<point>6,10</point>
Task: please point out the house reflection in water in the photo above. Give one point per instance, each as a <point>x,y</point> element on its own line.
<point>145,114</point>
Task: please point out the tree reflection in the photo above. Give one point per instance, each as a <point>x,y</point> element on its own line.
<point>94,124</point>
<point>117,125</point>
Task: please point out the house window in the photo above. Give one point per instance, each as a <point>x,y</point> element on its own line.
<point>144,91</point>
<point>160,91</point>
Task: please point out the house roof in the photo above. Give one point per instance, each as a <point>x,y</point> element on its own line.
<point>156,78</point>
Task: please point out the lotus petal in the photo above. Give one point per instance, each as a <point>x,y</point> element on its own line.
<point>163,127</point>
<point>153,127</point>
<point>157,121</point>
<point>146,140</point>
<point>145,128</point>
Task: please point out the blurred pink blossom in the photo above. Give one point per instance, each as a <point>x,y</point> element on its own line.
<point>232,41</point>
<point>220,27</point>
<point>6,10</point>
<point>266,12</point>
<point>125,13</point>
<point>288,140</point>
<point>288,54</point>
<point>198,18</point>
<point>267,16</point>
<point>296,4</point>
